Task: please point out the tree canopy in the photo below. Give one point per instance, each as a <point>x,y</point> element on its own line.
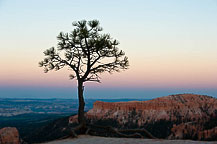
<point>87,51</point>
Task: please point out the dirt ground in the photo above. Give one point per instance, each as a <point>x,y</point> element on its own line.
<point>85,139</point>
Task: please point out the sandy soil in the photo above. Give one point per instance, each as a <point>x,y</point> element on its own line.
<point>85,139</point>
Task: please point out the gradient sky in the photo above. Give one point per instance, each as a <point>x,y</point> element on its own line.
<point>171,45</point>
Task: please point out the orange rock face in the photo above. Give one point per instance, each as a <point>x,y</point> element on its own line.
<point>9,135</point>
<point>179,109</point>
<point>174,107</point>
<point>190,130</point>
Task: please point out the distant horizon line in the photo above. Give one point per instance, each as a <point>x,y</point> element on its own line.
<point>75,98</point>
<point>17,98</point>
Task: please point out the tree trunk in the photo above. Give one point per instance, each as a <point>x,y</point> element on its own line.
<point>81,117</point>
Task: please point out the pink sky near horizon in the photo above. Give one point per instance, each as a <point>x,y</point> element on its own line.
<point>149,73</point>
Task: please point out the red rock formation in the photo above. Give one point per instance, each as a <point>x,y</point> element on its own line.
<point>9,135</point>
<point>180,109</point>
<point>191,130</point>
<point>209,134</point>
<point>174,107</point>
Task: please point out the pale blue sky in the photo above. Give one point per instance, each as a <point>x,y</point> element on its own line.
<point>171,44</point>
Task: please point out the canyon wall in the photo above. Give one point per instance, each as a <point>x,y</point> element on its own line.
<point>182,116</point>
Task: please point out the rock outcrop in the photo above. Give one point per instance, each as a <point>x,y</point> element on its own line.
<point>192,131</point>
<point>182,116</point>
<point>9,135</point>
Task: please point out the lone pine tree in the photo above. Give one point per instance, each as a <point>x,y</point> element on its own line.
<point>88,52</point>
